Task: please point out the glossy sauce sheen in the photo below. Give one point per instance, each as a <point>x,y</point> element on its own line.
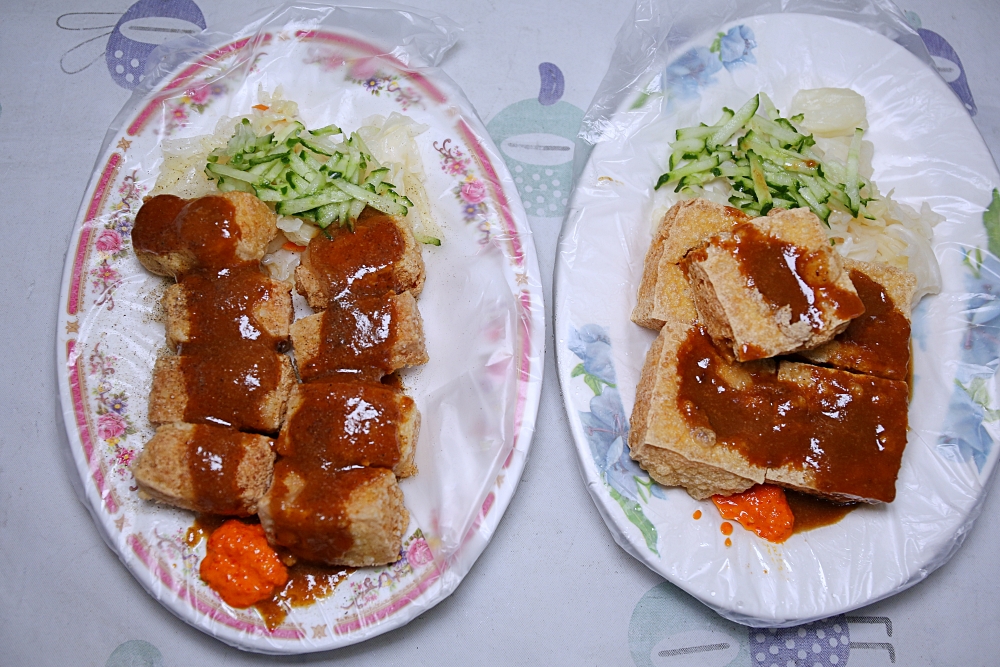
<point>230,363</point>
<point>877,342</point>
<point>307,583</point>
<point>214,455</point>
<point>356,340</point>
<point>785,275</point>
<point>847,430</point>
<point>359,263</point>
<point>314,524</point>
<point>811,512</point>
<point>339,425</point>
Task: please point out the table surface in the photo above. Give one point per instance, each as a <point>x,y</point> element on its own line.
<point>552,587</point>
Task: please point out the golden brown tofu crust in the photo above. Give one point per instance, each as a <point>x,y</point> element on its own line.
<point>168,399</point>
<point>273,316</point>
<point>162,470</point>
<point>737,312</point>
<point>371,520</point>
<point>404,345</point>
<point>664,294</point>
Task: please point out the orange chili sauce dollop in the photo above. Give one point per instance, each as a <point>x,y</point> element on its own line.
<point>240,565</point>
<point>762,509</point>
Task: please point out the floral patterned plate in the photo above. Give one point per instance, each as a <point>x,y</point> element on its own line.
<point>926,149</point>
<point>482,309</point>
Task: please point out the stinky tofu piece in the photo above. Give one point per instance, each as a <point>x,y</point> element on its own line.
<point>344,424</point>
<point>247,305</point>
<point>852,447</point>
<point>231,388</point>
<point>352,517</point>
<point>664,294</point>
<point>363,339</point>
<point>205,468</point>
<point>662,437</point>
<point>174,236</point>
<point>771,286</point>
<point>877,342</point>
<point>379,255</point>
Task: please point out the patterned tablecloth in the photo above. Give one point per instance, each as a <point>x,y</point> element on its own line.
<point>552,588</point>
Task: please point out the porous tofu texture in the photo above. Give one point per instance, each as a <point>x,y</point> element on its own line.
<point>256,224</point>
<point>664,295</point>
<point>336,521</point>
<point>162,471</point>
<point>771,286</point>
<point>395,341</point>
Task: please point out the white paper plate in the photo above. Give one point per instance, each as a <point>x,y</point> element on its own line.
<point>926,149</point>
<point>483,317</point>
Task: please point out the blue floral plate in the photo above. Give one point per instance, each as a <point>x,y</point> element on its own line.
<point>926,150</point>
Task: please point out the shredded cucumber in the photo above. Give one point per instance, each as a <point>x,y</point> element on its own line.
<point>767,161</point>
<point>307,174</point>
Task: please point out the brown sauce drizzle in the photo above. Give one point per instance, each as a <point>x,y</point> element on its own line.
<point>877,342</point>
<point>338,425</point>
<point>155,230</point>
<point>811,512</point>
<point>356,340</point>
<point>307,584</point>
<point>214,455</point>
<point>310,518</point>
<point>846,431</point>
<point>786,276</point>
<point>360,262</point>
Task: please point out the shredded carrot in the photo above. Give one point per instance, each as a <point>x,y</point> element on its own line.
<point>262,107</point>
<point>762,509</point>
<point>294,247</point>
<point>240,565</point>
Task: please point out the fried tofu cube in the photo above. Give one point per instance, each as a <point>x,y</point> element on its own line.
<point>353,517</point>
<point>174,236</point>
<point>238,390</point>
<point>771,286</point>
<point>379,255</point>
<point>363,339</point>
<point>856,436</point>
<point>662,438</point>
<point>248,307</point>
<point>344,424</point>
<point>877,342</point>
<point>664,294</point>
<point>205,468</point>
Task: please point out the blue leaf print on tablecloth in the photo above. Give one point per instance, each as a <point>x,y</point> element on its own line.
<point>606,429</point>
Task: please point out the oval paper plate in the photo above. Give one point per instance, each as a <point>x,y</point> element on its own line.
<point>483,320</point>
<point>926,150</point>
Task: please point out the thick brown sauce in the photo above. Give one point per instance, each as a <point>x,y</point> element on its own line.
<point>154,230</point>
<point>361,262</point>
<point>877,342</point>
<point>356,340</point>
<point>307,584</point>
<point>338,425</point>
<point>214,455</point>
<point>314,523</point>
<point>206,228</point>
<point>848,431</point>
<point>785,275</point>
<point>811,512</point>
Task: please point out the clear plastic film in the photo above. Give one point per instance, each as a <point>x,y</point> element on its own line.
<point>676,65</point>
<point>481,307</point>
